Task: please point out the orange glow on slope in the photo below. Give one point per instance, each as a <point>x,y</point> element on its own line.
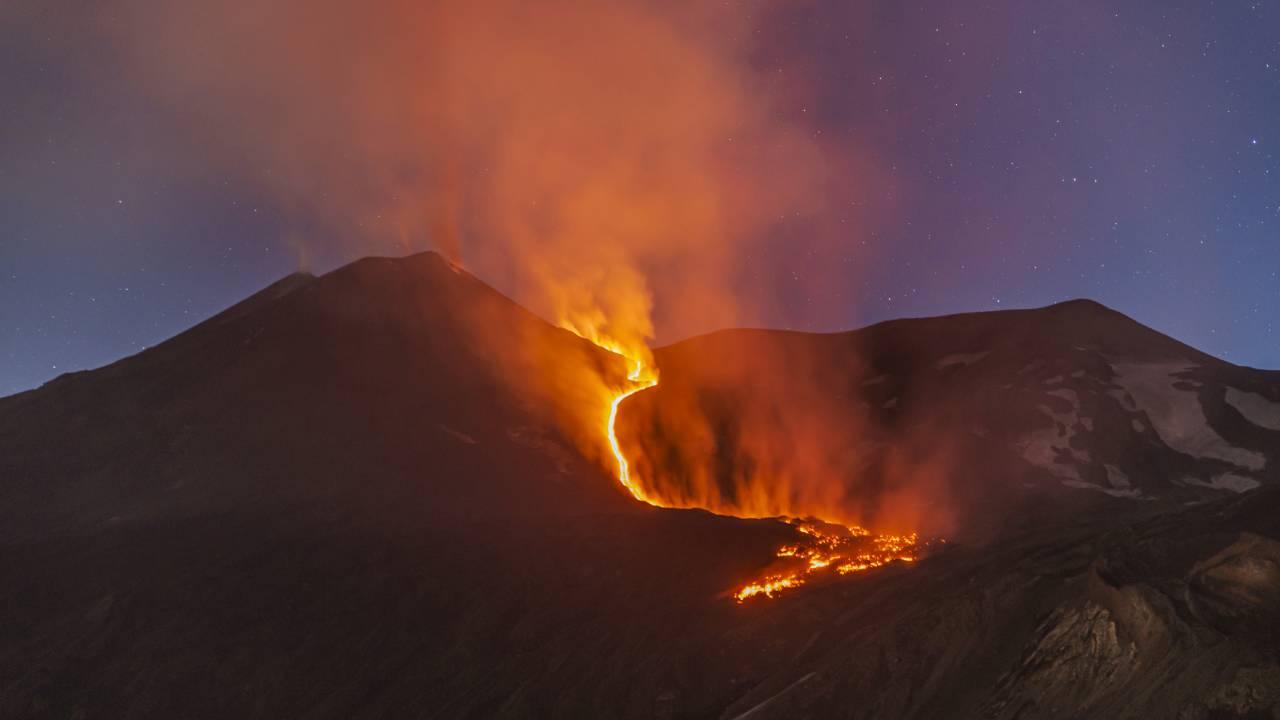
<point>643,375</point>
<point>849,549</point>
<point>768,587</point>
<point>643,378</point>
<point>846,548</point>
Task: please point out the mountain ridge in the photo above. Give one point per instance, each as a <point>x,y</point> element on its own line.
<point>334,502</point>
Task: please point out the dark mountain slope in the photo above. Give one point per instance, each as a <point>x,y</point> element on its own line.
<point>344,498</point>
<point>1171,615</point>
<point>373,372</point>
<point>333,501</point>
<point>994,415</point>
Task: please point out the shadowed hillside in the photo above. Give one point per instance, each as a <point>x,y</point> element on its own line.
<point>342,498</point>
<point>958,425</point>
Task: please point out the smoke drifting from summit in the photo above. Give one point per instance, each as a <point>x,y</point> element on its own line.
<point>589,158</point>
<point>610,164</point>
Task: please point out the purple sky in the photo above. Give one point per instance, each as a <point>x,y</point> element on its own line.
<point>1032,152</point>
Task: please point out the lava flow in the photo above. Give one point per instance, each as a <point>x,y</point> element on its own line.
<point>643,377</point>
<point>825,546</point>
<point>847,549</point>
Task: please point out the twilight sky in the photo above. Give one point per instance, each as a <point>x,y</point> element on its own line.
<point>977,156</point>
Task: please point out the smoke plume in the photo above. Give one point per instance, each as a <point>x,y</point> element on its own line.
<point>610,164</point>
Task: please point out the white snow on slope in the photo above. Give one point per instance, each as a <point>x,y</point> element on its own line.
<point>1228,481</point>
<point>1117,478</point>
<point>1177,416</point>
<point>1043,447</point>
<point>961,359</point>
<point>1255,408</point>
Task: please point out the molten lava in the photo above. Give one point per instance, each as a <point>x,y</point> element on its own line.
<point>643,377</point>
<point>848,548</point>
<point>768,586</point>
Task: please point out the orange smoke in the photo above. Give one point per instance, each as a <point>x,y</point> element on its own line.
<point>584,157</point>
<point>609,164</point>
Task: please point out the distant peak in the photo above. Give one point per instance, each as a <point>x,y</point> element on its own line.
<point>1080,305</point>
<point>294,279</point>
<point>425,254</point>
<point>282,287</point>
<point>425,259</point>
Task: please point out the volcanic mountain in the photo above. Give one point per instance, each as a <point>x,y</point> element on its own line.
<point>980,412</point>
<point>354,496</point>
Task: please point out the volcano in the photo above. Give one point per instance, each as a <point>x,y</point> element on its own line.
<point>342,498</point>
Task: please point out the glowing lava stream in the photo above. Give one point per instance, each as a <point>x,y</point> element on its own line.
<point>643,380</point>
<point>844,548</point>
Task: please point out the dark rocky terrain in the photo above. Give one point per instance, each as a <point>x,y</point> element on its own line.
<point>332,501</point>
<point>1003,410</point>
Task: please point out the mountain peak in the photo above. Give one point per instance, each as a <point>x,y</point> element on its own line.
<point>1080,305</point>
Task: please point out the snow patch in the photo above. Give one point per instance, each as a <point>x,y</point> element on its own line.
<point>1117,478</point>
<point>1177,416</point>
<point>1044,446</point>
<point>1126,400</point>
<point>961,359</point>
<point>1255,408</point>
<point>1229,481</point>
<point>1131,494</point>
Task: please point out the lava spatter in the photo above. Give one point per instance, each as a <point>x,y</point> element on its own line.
<point>824,547</point>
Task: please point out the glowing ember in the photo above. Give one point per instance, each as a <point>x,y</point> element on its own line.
<point>848,549</point>
<point>768,586</point>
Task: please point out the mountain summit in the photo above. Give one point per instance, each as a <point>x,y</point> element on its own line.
<point>360,495</point>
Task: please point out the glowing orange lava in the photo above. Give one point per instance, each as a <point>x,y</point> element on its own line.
<point>643,378</point>
<point>848,549</point>
<point>768,586</point>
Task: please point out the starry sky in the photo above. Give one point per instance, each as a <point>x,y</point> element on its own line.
<point>1020,153</point>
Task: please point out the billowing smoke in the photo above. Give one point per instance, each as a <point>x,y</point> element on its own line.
<point>587,157</point>
<point>611,164</point>
<point>759,423</point>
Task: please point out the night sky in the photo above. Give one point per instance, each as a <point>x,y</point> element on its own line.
<point>1024,153</point>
